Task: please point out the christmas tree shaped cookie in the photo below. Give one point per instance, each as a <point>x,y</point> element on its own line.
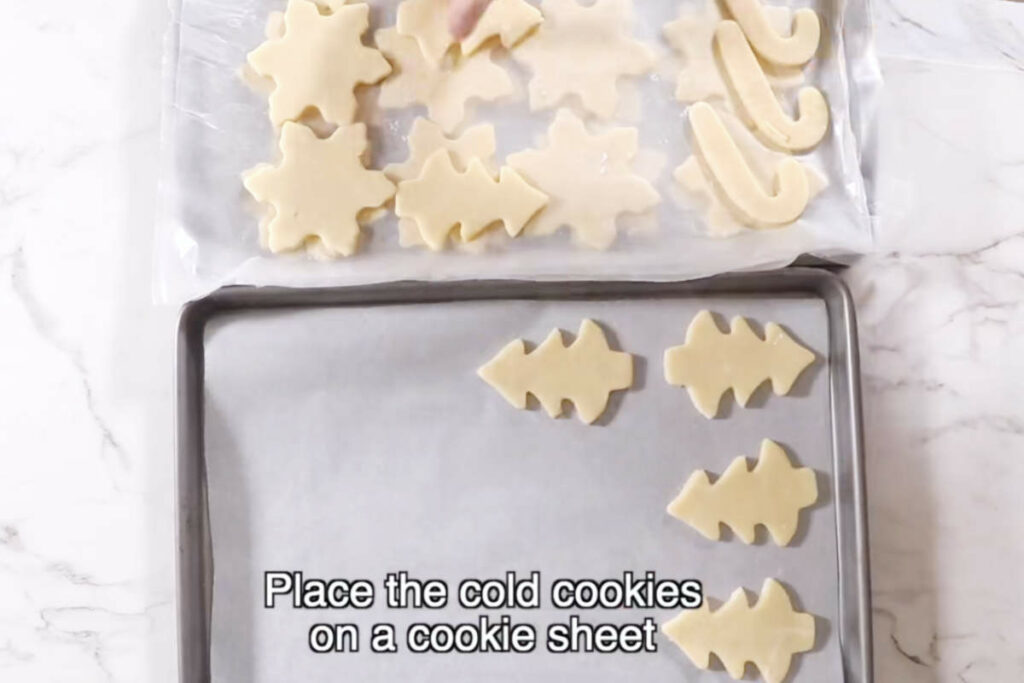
<point>712,362</point>
<point>442,198</point>
<point>767,634</point>
<point>771,495</point>
<point>585,373</point>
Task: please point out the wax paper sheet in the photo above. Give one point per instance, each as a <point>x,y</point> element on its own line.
<point>216,127</point>
<point>351,442</point>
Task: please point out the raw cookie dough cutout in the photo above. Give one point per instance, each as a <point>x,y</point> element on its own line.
<point>317,62</point>
<point>794,50</point>
<point>444,92</point>
<point>772,495</point>
<point>759,103</point>
<point>693,36</point>
<point>585,373</point>
<point>442,198</point>
<point>733,175</point>
<point>722,219</point>
<point>712,362</point>
<point>329,6</point>
<point>583,50</point>
<point>426,137</point>
<point>319,189</point>
<point>589,178</point>
<point>768,634</point>
<point>427,22</point>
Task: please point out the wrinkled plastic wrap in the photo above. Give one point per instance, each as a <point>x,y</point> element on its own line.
<point>216,127</point>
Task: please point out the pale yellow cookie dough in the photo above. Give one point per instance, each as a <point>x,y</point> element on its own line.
<point>510,20</point>
<point>585,373</point>
<point>768,634</point>
<point>319,189</point>
<point>317,62</point>
<point>427,22</point>
<point>732,174</point>
<point>693,36</point>
<point>426,137</point>
<point>769,40</point>
<point>589,178</point>
<point>772,495</point>
<point>759,103</point>
<point>442,198</point>
<point>583,50</point>
<point>444,92</point>
<point>722,219</point>
<point>328,6</point>
<point>712,362</point>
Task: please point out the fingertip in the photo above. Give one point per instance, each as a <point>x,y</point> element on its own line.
<point>463,16</point>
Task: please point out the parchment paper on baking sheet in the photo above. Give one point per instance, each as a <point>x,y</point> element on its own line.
<point>352,442</point>
<point>217,127</point>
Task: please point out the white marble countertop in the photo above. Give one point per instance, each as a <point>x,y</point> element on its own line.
<point>86,490</point>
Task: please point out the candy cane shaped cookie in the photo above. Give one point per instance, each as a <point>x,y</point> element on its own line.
<point>737,181</point>
<point>758,100</point>
<point>794,50</point>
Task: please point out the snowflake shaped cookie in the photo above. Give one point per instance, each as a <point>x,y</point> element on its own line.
<point>583,50</point>
<point>444,92</point>
<point>318,189</point>
<point>589,178</point>
<point>427,22</point>
<point>318,61</point>
<point>693,35</point>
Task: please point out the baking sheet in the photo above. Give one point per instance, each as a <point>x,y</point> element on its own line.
<point>353,441</point>
<point>216,127</point>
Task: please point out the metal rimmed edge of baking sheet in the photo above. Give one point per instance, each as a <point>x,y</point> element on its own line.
<point>194,549</point>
